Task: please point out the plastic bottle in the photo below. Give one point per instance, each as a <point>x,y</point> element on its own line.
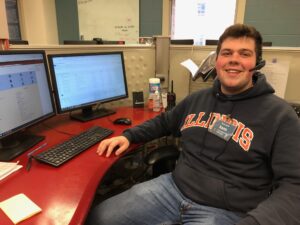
<point>156,101</point>
<point>164,100</point>
<point>150,102</point>
<point>154,84</point>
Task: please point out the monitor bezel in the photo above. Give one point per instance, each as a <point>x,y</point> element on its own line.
<point>44,117</point>
<point>80,42</point>
<point>59,109</point>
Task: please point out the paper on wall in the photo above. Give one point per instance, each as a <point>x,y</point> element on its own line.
<point>277,72</point>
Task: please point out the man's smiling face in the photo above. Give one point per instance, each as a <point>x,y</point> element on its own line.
<point>234,63</point>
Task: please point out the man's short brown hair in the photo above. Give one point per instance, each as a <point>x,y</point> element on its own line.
<point>243,30</point>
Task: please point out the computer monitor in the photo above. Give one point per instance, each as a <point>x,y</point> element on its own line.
<point>18,42</point>
<point>182,41</point>
<point>80,42</point>
<point>211,42</point>
<point>82,80</point>
<point>25,99</point>
<point>267,43</point>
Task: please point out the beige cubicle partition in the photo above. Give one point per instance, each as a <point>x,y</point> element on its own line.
<point>139,63</point>
<point>291,55</point>
<point>140,66</point>
<point>183,85</point>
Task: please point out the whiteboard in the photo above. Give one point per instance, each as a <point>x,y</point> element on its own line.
<point>114,20</point>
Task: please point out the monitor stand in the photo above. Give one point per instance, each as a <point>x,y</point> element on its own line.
<point>16,144</point>
<point>88,114</point>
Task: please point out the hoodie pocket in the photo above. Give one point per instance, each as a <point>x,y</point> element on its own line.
<point>208,190</point>
<point>243,199</point>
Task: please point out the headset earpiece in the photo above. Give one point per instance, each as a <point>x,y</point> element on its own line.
<point>260,64</point>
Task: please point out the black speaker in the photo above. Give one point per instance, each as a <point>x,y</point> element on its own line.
<point>138,99</point>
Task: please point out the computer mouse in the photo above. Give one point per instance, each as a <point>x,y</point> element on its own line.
<point>122,121</point>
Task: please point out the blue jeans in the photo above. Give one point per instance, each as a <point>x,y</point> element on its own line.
<point>157,202</point>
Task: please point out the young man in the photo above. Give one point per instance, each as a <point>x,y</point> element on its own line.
<point>240,159</point>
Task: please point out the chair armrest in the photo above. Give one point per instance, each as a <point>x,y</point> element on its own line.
<point>162,153</point>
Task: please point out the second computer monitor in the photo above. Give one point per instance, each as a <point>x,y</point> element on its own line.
<point>25,100</point>
<point>85,79</point>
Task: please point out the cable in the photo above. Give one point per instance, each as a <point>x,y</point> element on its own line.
<point>59,131</point>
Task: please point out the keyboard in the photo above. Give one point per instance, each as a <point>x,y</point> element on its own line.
<point>61,153</point>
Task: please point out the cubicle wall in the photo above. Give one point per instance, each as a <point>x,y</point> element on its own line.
<point>140,66</point>
<point>291,55</point>
<point>183,85</point>
<point>180,75</point>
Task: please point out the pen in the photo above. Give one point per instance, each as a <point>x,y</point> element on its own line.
<point>28,166</point>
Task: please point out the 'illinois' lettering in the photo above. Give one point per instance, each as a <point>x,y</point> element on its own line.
<point>243,135</point>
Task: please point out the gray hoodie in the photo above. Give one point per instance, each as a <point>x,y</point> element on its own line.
<point>257,171</point>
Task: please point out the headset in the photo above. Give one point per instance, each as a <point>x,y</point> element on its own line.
<point>260,64</point>
<point>213,73</point>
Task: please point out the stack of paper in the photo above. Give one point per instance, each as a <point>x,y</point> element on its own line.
<point>191,66</point>
<point>7,168</point>
<point>19,208</point>
<point>206,68</point>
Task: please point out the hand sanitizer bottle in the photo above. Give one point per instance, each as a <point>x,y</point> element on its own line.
<point>156,101</point>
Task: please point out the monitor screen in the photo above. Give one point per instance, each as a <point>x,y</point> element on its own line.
<point>25,99</point>
<point>83,80</point>
<point>80,42</point>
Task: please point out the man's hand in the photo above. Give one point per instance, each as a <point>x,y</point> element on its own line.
<point>118,144</point>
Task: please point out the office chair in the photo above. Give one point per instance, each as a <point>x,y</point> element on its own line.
<point>206,68</point>
<point>127,171</point>
<point>162,160</point>
<point>296,107</point>
<point>135,167</point>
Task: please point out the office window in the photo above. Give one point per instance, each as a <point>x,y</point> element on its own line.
<point>13,19</point>
<point>201,19</point>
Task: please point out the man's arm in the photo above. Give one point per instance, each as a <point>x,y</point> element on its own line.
<point>165,124</point>
<point>160,126</point>
<point>283,205</point>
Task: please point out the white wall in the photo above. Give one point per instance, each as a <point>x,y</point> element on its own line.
<point>39,26</point>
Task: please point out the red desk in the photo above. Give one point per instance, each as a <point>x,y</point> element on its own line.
<point>65,193</point>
